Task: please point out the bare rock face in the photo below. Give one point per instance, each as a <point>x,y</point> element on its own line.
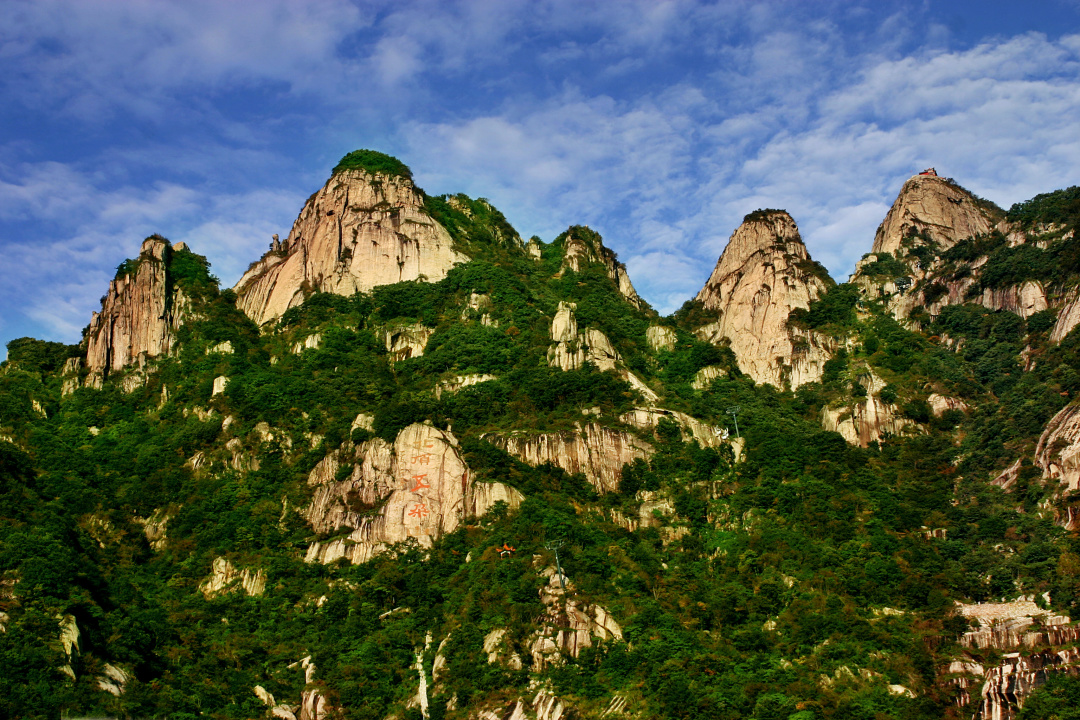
<point>691,427</point>
<point>417,488</point>
<point>939,404</point>
<point>933,206</point>
<point>933,212</point>
<point>361,230</point>
<point>572,349</point>
<point>596,451</point>
<point>459,382</point>
<point>568,626</point>
<point>407,341</point>
<point>1068,317</point>
<point>1016,629</point>
<point>139,316</point>
<point>225,578</point>
<point>660,337</point>
<point>763,274</point>
<point>1058,449</point>
<point>583,245</point>
<point>703,378</point>
<point>1024,299</point>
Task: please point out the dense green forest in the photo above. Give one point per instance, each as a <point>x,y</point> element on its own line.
<point>796,576</point>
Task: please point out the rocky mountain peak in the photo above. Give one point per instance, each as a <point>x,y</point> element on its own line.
<point>366,227</point>
<point>762,231</point>
<point>932,216</point>
<point>140,313</point>
<point>936,208</point>
<point>583,245</point>
<point>763,274</point>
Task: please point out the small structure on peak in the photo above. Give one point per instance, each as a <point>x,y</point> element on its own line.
<point>929,171</point>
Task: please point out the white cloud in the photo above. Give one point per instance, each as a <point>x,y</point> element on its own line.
<point>667,182</point>
<point>92,58</point>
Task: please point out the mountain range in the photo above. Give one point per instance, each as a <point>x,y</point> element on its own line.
<point>414,465</point>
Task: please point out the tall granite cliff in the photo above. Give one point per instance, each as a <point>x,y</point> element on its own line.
<point>763,274</point>
<point>140,314</point>
<point>361,230</point>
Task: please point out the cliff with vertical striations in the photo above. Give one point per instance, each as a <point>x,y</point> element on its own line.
<point>140,314</point>
<point>763,274</point>
<point>361,230</point>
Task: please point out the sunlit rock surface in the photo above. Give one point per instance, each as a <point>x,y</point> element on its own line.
<point>417,488</point>
<point>763,274</point>
<point>359,231</point>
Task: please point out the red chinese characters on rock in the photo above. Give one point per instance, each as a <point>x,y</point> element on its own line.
<point>420,484</point>
<point>419,511</point>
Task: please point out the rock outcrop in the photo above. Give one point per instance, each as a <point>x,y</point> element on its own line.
<point>572,349</point>
<point>1034,644</point>
<point>568,626</point>
<point>459,382</point>
<point>930,216</point>
<point>582,245</point>
<point>407,341</point>
<point>417,488</point>
<point>595,451</point>
<point>691,427</point>
<point>936,208</point>
<point>1068,317</point>
<point>225,578</point>
<point>939,404</point>
<point>703,378</point>
<point>660,337</point>
<point>361,230</point>
<point>1058,450</point>
<point>140,314</point>
<point>763,274</point>
<point>1024,299</point>
<point>868,420</point>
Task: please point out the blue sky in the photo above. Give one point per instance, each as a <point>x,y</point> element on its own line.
<point>660,124</point>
